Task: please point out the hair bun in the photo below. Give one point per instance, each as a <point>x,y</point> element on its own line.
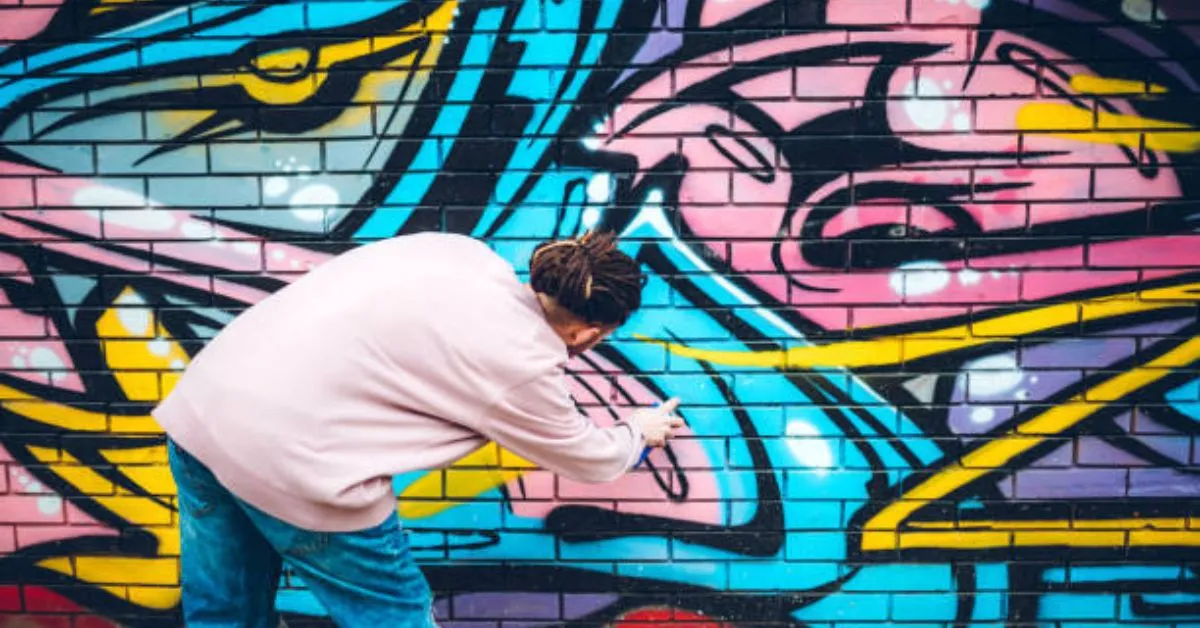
<point>589,276</point>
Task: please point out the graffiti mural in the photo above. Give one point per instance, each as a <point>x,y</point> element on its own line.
<point>925,272</point>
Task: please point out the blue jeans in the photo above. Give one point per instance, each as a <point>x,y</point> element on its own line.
<point>233,555</point>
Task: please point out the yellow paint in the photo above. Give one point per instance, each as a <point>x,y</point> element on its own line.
<point>1161,523</point>
<point>295,75</point>
<point>136,357</point>
<point>106,6</point>
<point>52,414</point>
<point>107,569</point>
<point>161,598</point>
<point>883,531</point>
<point>1069,122</point>
<point>469,477</point>
<point>892,350</point>
<point>1100,86</point>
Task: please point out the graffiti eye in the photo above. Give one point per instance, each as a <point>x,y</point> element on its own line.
<point>741,152</point>
<point>286,65</point>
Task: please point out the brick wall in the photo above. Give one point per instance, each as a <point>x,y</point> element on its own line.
<point>926,273</point>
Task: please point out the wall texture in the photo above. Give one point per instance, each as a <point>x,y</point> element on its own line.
<point>924,271</point>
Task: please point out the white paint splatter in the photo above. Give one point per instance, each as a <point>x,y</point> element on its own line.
<point>134,319</point>
<point>806,444</point>
<point>49,505</point>
<point>994,375</point>
<point>961,122</point>
<point>914,279</point>
<point>982,414</point>
<point>177,365</point>
<point>275,186</point>
<point>978,4</point>
<point>599,188</point>
<point>43,358</point>
<point>969,276</point>
<point>590,217</point>
<point>18,362</point>
<point>924,106</point>
<point>278,254</point>
<point>310,202</point>
<point>159,346</point>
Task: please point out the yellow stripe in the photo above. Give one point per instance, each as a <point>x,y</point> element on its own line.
<point>1069,122</point>
<point>1100,86</point>
<point>891,350</point>
<point>883,532</point>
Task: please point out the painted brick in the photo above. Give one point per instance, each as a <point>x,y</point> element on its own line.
<point>928,267</point>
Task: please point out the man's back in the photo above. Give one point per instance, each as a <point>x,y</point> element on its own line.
<point>380,361</point>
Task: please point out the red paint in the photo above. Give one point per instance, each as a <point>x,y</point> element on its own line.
<point>667,617</point>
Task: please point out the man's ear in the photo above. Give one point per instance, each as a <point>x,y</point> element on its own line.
<point>586,335</point>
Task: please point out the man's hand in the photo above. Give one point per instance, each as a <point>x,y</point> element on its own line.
<point>658,424</point>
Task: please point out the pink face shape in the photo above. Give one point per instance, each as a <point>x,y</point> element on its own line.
<point>883,177</point>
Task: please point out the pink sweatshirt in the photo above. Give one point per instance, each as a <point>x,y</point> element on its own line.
<point>400,355</point>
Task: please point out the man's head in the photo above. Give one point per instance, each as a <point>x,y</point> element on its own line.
<point>587,287</point>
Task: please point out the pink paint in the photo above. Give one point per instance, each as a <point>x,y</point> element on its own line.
<point>538,494</point>
<point>33,535</point>
<point>859,12</point>
<point>933,107</point>
<point>21,20</point>
<point>715,12</point>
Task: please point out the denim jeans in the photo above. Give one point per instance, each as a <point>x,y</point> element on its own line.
<point>233,555</point>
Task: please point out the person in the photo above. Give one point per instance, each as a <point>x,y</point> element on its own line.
<point>285,431</point>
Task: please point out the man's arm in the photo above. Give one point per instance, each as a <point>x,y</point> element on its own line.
<point>538,421</point>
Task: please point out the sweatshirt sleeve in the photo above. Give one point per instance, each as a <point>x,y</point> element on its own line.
<point>538,421</point>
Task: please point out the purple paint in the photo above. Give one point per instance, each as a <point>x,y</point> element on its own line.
<point>666,39</point>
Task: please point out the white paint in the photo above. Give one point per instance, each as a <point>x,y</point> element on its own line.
<point>177,365</point>
<point>43,358</point>
<point>134,319</point>
<point>920,278</point>
<point>1022,395</point>
<point>982,415</point>
<point>994,375</point>
<point>806,444</point>
<point>310,202</point>
<point>278,254</point>
<point>961,122</point>
<point>139,213</point>
<point>196,230</point>
<point>978,4</point>
<point>159,346</point>
<point>594,141</point>
<point>599,188</point>
<point>969,277</point>
<point>654,199</point>
<point>49,505</point>
<point>18,361</point>
<point>22,479</point>
<point>924,105</point>
<point>246,248</point>
<point>590,217</point>
<point>96,196</point>
<point>275,186</point>
<point>1142,10</point>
